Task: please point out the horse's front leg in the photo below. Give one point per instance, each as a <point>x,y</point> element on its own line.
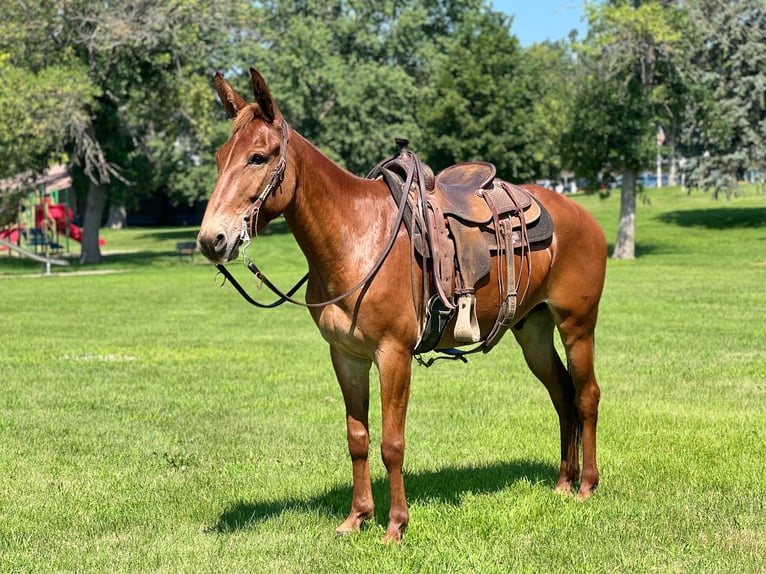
<point>395,367</point>
<point>354,377</point>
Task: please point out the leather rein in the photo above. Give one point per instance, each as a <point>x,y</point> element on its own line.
<point>249,230</point>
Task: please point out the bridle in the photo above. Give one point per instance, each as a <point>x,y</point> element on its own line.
<point>250,219</point>
<point>249,231</point>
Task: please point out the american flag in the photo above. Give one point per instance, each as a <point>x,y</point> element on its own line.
<point>660,135</point>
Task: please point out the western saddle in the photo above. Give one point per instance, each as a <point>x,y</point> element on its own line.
<point>457,220</point>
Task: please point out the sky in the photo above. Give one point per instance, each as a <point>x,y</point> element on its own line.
<point>540,20</point>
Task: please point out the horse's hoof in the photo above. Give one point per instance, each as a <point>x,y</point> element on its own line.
<point>353,523</point>
<point>345,530</point>
<point>394,533</point>
<point>585,493</point>
<point>563,488</point>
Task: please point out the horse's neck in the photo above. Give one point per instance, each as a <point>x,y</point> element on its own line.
<point>337,218</point>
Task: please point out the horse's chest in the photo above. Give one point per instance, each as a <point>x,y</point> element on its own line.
<point>338,329</point>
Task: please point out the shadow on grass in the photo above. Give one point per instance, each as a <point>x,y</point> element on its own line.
<point>446,486</point>
<point>642,249</point>
<point>277,226</point>
<point>145,258</point>
<point>718,218</point>
<point>187,234</point>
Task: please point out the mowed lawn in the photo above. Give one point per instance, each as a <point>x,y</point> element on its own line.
<point>151,421</point>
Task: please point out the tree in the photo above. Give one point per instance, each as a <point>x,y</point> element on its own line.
<point>549,72</point>
<point>349,75</point>
<point>33,112</point>
<point>141,67</point>
<point>479,103</point>
<point>627,57</point>
<point>725,135</point>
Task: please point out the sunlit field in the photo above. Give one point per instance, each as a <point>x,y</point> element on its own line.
<point>152,421</point>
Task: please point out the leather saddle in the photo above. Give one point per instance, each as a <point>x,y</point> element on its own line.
<point>470,192</point>
<point>484,214</point>
<point>474,215</point>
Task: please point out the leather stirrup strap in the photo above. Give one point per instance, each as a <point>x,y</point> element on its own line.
<point>508,308</point>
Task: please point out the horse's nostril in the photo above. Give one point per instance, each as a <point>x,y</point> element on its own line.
<point>220,243</point>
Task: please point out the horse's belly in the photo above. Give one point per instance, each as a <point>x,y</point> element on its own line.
<point>489,296</point>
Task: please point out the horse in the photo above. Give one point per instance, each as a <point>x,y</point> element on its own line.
<point>370,315</point>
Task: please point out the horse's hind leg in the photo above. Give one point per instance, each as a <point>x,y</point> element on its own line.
<point>577,334</point>
<point>535,336</point>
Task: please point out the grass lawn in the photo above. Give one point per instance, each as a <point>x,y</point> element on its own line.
<point>151,421</point>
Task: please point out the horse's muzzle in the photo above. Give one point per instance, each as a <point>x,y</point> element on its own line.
<point>217,247</point>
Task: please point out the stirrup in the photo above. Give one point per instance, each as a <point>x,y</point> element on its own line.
<point>467,325</point>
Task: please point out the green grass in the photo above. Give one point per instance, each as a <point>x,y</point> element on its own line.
<point>153,422</point>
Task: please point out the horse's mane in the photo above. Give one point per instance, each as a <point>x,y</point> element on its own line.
<point>246,115</point>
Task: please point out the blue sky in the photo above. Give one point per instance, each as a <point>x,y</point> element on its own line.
<point>540,20</point>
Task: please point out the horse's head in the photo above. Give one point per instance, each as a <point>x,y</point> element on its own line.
<point>251,166</point>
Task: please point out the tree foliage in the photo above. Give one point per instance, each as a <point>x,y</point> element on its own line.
<point>478,104</point>
<point>351,76</point>
<point>136,85</point>
<point>449,76</point>
<point>121,90</point>
<point>35,110</point>
<point>725,135</point>
<point>627,61</point>
<point>550,69</point>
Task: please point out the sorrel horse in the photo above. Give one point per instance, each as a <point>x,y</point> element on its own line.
<point>342,223</point>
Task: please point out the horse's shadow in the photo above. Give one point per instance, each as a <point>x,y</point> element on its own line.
<point>446,486</point>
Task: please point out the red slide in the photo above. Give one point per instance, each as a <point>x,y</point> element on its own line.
<point>10,235</point>
<point>74,231</point>
<point>62,214</point>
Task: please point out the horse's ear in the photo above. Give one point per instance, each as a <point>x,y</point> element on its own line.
<point>263,96</point>
<point>231,100</point>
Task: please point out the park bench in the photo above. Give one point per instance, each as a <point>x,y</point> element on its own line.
<point>186,248</point>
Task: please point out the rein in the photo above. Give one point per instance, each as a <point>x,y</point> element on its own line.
<point>249,224</point>
<point>241,290</point>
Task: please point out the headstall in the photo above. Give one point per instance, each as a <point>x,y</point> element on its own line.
<point>249,231</point>
<point>250,219</point>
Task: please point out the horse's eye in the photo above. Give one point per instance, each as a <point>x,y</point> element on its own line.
<point>256,159</point>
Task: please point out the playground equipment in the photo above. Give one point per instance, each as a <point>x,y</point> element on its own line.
<point>46,261</point>
<point>42,225</point>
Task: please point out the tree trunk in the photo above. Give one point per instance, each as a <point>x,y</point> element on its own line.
<point>94,210</point>
<point>625,247</point>
<point>672,158</point>
<point>672,170</point>
<point>118,217</point>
